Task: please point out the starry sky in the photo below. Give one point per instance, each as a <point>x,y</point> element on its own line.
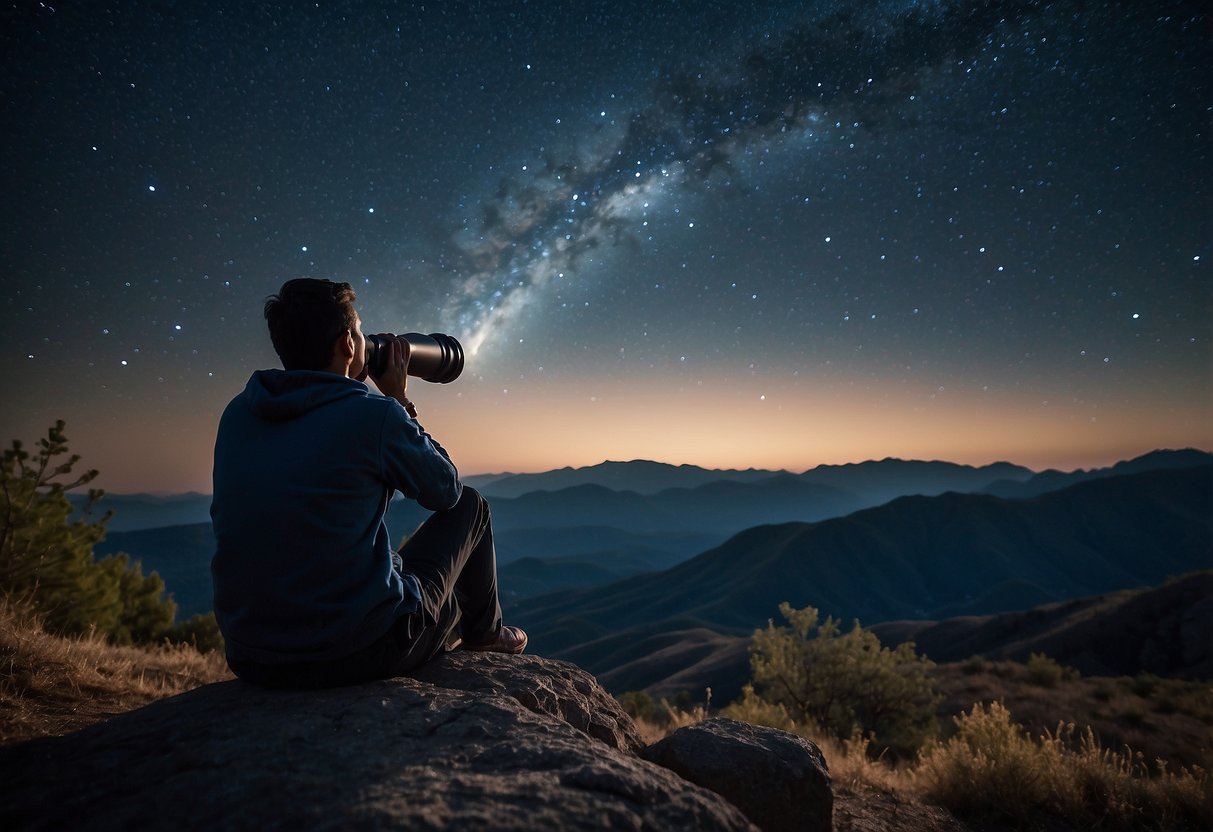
<point>733,234</point>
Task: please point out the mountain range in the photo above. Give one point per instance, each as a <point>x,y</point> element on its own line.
<point>913,558</point>
<point>586,566</point>
<point>850,487</point>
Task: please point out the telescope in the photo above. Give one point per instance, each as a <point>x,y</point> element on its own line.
<point>436,357</point>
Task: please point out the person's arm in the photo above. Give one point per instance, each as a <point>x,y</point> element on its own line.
<point>414,463</point>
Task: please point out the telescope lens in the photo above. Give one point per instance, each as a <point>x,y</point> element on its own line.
<point>436,357</point>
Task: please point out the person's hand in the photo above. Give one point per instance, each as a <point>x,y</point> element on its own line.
<point>394,379</point>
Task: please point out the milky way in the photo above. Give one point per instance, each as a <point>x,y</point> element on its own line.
<point>847,63</point>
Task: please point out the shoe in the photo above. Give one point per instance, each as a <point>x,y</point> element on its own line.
<point>509,639</point>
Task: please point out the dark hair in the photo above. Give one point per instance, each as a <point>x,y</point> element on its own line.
<point>306,318</point>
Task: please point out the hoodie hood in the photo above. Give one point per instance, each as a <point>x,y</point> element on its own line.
<point>279,395</point>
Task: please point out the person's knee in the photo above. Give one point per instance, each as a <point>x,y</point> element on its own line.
<point>473,500</point>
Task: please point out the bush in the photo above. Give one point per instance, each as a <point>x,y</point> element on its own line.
<point>199,631</point>
<point>1144,684</point>
<point>664,714</point>
<point>991,769</point>
<point>640,705</point>
<point>1047,673</point>
<point>974,664</point>
<point>846,683</point>
<point>755,710</point>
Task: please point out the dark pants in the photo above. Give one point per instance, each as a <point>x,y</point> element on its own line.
<point>453,557</point>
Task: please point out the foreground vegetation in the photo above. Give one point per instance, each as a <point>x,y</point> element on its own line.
<point>67,620</point>
<point>52,684</point>
<point>872,712</point>
<point>47,562</point>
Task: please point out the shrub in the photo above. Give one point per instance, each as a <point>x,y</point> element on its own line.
<point>664,713</point>
<point>974,664</point>
<point>846,683</point>
<point>991,769</point>
<point>640,705</point>
<point>1134,716</point>
<point>755,710</point>
<point>1047,673</point>
<point>199,631</point>
<point>1144,684</point>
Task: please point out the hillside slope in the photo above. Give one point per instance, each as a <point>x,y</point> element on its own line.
<point>1167,631</point>
<point>1163,630</point>
<point>917,557</point>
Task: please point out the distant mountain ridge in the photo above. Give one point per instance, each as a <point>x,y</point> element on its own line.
<point>721,507</point>
<point>589,535</point>
<point>887,479</point>
<point>916,557</point>
<point>864,483</point>
<point>1052,480</point>
<point>877,480</point>
<point>146,511</point>
<point>639,475</point>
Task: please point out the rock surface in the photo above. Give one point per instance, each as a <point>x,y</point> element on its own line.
<point>545,686</point>
<point>534,744</point>
<point>779,780</point>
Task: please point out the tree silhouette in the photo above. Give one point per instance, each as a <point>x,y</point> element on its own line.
<point>46,558</point>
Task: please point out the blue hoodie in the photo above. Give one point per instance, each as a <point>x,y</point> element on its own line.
<point>305,464</point>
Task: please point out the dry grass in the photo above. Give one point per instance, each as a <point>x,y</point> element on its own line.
<point>992,769</point>
<point>50,685</point>
<point>1168,719</point>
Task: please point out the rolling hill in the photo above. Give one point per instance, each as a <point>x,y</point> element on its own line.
<point>1162,630</point>
<point>916,557</point>
<point>1167,631</point>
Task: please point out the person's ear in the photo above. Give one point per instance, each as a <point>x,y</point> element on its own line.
<point>343,353</point>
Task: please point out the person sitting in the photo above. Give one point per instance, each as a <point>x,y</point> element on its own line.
<point>308,591</point>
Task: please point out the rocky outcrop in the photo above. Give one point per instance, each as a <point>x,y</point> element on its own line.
<point>779,780</point>
<point>474,741</point>
<point>555,688</point>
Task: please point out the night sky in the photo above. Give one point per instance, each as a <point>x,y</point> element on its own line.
<point>728,234</point>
